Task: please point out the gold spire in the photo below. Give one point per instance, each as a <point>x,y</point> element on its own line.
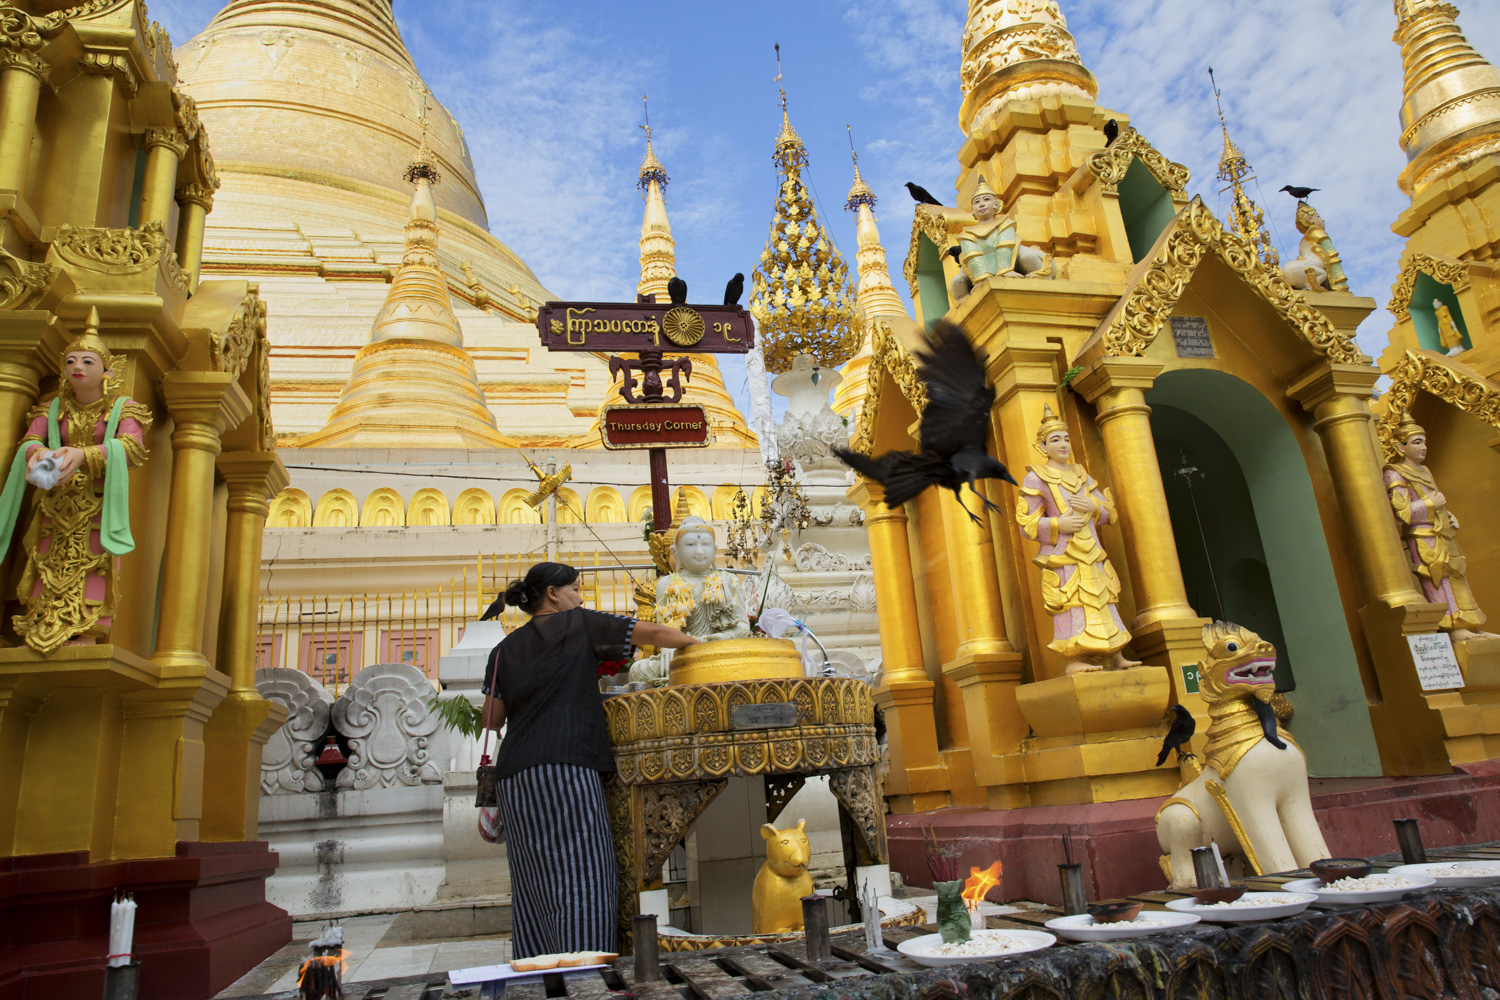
<point>1018,50</point>
<point>1246,220</point>
<point>1450,98</point>
<point>658,267</point>
<point>413,384</point>
<point>801,296</point>
<point>876,297</point>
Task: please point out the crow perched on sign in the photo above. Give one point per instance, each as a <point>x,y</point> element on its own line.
<point>1178,736</point>
<point>1111,132</point>
<point>1299,193</point>
<point>734,290</point>
<point>955,426</point>
<point>921,195</point>
<point>677,291</point>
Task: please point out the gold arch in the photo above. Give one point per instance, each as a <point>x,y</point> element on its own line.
<point>697,502</point>
<point>428,508</point>
<point>639,501</point>
<point>722,502</point>
<point>569,507</point>
<point>1133,325</point>
<point>336,509</point>
<point>514,509</point>
<point>291,508</point>
<point>1449,271</point>
<point>474,506</point>
<point>1110,165</point>
<point>1430,372</point>
<point>605,506</point>
<point>383,509</point>
<point>887,357</point>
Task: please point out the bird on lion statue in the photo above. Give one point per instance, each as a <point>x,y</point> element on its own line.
<point>1251,795</point>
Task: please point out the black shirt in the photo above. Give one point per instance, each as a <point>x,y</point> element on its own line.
<point>547,674</point>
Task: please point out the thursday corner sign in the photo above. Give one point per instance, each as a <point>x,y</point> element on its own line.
<point>654,425</point>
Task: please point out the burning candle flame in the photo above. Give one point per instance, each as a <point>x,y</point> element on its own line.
<point>979,883</point>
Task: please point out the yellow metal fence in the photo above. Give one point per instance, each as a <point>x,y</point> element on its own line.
<point>331,637</point>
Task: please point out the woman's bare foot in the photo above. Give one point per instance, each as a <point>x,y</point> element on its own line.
<point>1082,667</point>
<point>1122,662</point>
<point>1464,635</point>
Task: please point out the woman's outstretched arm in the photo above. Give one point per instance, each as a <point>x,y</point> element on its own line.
<point>652,634</point>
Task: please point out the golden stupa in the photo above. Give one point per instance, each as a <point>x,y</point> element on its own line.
<point>315,108</point>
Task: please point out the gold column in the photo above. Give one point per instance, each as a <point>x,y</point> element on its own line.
<point>905,694</point>
<point>1116,386</point>
<point>19,386</point>
<point>165,148</point>
<point>1336,396</point>
<point>203,405</point>
<point>237,732</point>
<point>21,75</point>
<point>197,200</point>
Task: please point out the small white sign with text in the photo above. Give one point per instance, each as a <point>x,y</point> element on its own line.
<point>1437,667</point>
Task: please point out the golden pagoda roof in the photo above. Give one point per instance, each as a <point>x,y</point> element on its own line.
<point>1450,95</point>
<point>327,86</point>
<point>1018,50</point>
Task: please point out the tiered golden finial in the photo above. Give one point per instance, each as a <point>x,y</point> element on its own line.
<point>658,249</point>
<point>801,296</point>
<point>1246,220</point>
<point>413,384</point>
<point>1450,98</point>
<point>1018,50</point>
<point>876,297</point>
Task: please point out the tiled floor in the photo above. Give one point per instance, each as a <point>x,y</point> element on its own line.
<point>367,960</point>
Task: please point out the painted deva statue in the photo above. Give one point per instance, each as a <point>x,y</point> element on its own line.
<point>87,434</point>
<point>992,246</point>
<point>1062,507</point>
<point>1318,264</point>
<point>1429,532</point>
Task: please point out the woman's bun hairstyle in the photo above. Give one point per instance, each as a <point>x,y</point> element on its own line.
<point>528,594</point>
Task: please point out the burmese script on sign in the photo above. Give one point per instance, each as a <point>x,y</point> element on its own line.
<point>655,425</point>
<point>644,326</point>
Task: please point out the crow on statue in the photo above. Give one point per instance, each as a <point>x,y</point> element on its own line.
<point>954,428</point>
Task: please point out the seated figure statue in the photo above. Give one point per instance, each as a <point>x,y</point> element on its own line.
<point>992,246</point>
<point>698,598</point>
<point>1318,265</point>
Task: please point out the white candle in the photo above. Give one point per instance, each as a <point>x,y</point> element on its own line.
<point>1219,860</point>
<point>121,930</point>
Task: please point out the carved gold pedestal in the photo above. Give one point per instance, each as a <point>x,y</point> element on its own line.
<point>677,747</point>
<point>736,660</point>
<point>1096,736</point>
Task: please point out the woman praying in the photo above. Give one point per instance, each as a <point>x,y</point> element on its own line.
<point>543,681</point>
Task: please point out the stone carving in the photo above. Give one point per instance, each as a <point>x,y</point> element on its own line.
<point>286,764</point>
<point>120,251</point>
<point>1148,305</point>
<point>836,514</point>
<point>809,438</point>
<point>862,592</point>
<point>812,557</point>
<point>862,794</point>
<point>667,811</point>
<point>394,739</point>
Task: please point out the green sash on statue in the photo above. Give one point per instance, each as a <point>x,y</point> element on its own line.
<point>114,518</point>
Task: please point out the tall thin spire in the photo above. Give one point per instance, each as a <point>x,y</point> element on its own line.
<point>1450,95</point>
<point>1246,219</point>
<point>875,296</point>
<point>658,249</point>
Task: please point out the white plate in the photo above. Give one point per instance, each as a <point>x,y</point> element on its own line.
<point>1242,914</point>
<point>1315,886</point>
<point>1084,928</point>
<point>1034,941</point>
<point>1452,880</point>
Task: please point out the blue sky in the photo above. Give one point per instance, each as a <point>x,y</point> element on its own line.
<point>549,96</point>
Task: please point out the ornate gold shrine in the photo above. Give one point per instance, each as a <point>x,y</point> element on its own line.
<point>677,747</point>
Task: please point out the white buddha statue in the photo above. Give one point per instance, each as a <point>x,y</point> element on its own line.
<point>700,599</point>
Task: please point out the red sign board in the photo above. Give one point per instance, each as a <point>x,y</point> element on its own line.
<point>644,326</point>
<point>654,425</point>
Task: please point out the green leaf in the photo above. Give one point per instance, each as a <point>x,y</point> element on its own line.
<point>458,714</point>
<point>1070,375</point>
